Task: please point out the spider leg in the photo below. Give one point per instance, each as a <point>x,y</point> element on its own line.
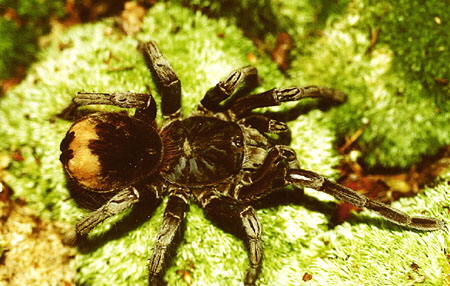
<point>166,80</point>
<point>269,176</point>
<point>246,76</point>
<point>315,181</point>
<point>231,211</point>
<point>266,125</point>
<point>117,204</point>
<point>143,102</point>
<point>276,96</point>
<point>174,214</point>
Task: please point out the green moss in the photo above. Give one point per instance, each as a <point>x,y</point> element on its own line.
<point>387,254</point>
<point>21,25</point>
<point>392,84</point>
<point>418,34</point>
<point>95,57</point>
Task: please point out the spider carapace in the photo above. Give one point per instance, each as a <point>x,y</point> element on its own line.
<point>222,157</point>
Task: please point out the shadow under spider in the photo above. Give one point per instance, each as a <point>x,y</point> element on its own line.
<point>288,196</point>
<point>142,212</point>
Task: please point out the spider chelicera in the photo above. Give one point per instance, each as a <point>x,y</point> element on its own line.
<point>223,157</point>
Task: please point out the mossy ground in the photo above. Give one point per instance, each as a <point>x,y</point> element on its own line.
<point>297,240</point>
<point>21,24</point>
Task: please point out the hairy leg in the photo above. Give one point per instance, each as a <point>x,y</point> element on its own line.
<point>166,80</point>
<point>243,77</point>
<point>276,96</point>
<point>232,211</point>
<point>269,176</point>
<point>173,216</point>
<point>117,204</point>
<point>315,181</point>
<point>266,125</point>
<point>143,102</point>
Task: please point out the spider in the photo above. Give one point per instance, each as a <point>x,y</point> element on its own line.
<point>222,157</point>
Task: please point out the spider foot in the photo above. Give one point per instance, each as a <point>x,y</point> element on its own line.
<point>238,79</point>
<point>297,93</point>
<point>155,281</point>
<point>70,238</point>
<point>251,276</point>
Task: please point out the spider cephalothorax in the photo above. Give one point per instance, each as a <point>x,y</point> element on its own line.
<point>222,157</point>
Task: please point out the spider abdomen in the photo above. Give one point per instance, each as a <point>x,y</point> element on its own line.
<point>106,151</point>
<point>201,150</point>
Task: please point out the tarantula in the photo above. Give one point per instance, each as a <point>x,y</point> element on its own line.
<point>223,157</point>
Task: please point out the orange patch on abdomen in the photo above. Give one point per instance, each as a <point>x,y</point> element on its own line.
<point>84,166</point>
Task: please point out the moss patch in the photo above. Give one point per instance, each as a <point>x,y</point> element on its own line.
<point>391,69</point>
<point>21,24</point>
